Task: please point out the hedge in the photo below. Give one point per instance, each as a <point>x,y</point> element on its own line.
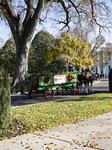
<point>5,101</point>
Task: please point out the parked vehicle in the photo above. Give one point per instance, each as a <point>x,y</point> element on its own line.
<point>48,83</point>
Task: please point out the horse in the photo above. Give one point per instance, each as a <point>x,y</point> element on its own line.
<point>85,82</point>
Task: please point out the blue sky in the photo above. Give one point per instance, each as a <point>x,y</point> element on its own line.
<point>5,33</point>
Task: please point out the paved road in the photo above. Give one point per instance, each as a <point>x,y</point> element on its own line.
<point>101,87</point>
<point>19,100</point>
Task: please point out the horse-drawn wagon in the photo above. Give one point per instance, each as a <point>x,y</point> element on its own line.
<point>49,83</point>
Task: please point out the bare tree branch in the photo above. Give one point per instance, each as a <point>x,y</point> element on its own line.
<point>67,14</point>
<point>33,20</point>
<point>92,12</point>
<point>29,11</point>
<point>10,9</point>
<point>11,17</point>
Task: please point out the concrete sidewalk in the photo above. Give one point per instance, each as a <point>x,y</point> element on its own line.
<point>90,134</point>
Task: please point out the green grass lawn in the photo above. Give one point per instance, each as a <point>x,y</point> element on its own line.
<point>49,114</point>
<point>45,115</point>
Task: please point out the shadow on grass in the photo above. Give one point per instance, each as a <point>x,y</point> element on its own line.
<point>93,97</point>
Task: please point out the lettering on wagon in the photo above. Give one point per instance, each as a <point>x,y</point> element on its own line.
<point>58,79</point>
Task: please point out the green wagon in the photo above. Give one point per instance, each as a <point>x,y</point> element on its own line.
<point>47,83</point>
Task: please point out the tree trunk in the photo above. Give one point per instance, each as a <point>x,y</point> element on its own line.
<point>22,31</point>
<point>22,53</point>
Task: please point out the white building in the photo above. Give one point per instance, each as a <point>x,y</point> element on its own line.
<point>102,66</point>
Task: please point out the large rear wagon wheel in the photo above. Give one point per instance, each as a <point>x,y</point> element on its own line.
<point>48,94</point>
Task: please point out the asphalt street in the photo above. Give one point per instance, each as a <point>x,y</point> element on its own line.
<point>19,100</point>
<point>101,87</point>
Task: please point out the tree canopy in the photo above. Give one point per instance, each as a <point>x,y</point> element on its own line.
<point>56,67</point>
<point>39,52</point>
<point>23,15</point>
<point>73,50</point>
<point>8,56</point>
<point>46,50</point>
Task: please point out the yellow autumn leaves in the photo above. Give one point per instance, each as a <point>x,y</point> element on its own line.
<point>72,50</point>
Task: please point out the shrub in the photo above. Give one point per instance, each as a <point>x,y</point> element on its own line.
<point>110,81</point>
<point>5,101</point>
<point>24,85</point>
<point>56,67</point>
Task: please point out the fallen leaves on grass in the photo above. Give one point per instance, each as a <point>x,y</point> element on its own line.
<point>16,129</point>
<point>47,115</point>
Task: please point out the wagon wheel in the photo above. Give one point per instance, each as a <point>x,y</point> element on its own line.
<point>76,90</point>
<point>32,92</point>
<point>48,94</point>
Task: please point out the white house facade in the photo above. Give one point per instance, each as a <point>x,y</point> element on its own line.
<point>101,66</point>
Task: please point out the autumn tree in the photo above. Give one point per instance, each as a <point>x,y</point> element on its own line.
<point>73,50</point>
<point>95,43</point>
<point>23,15</point>
<point>83,50</point>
